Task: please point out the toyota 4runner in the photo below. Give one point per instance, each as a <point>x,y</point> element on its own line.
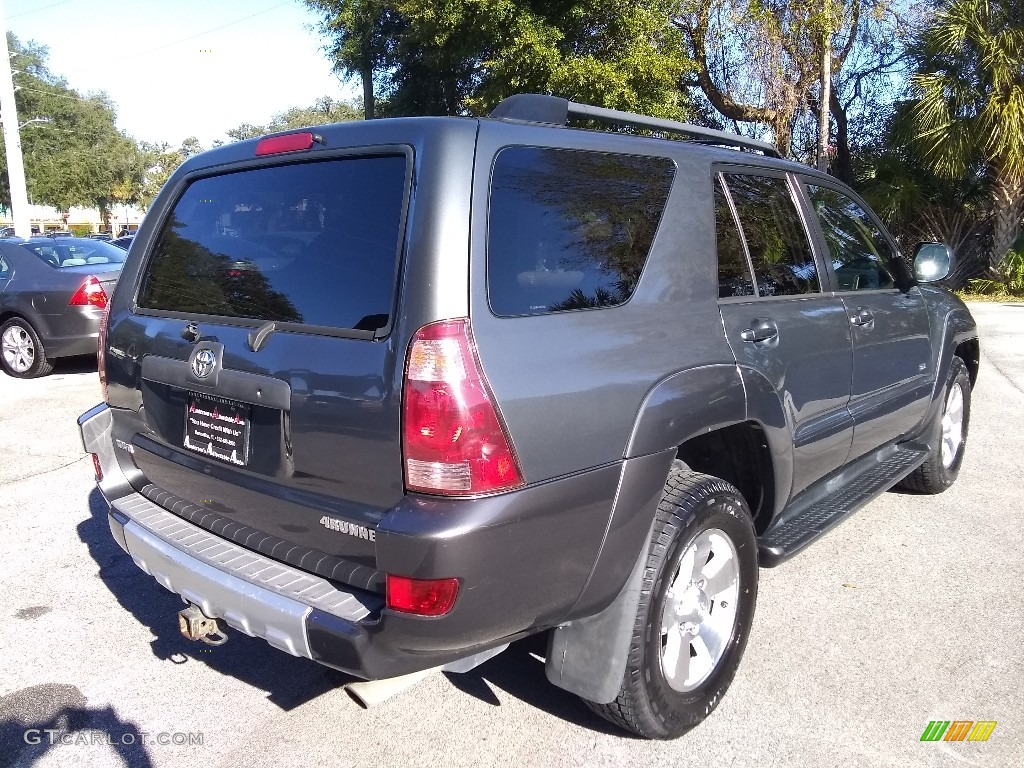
<point>394,394</point>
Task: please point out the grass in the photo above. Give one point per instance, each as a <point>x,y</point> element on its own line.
<point>994,298</point>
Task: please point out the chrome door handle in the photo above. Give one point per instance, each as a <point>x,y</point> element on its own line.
<point>862,317</point>
<point>760,330</point>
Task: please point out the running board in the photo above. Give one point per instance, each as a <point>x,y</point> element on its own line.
<point>827,504</point>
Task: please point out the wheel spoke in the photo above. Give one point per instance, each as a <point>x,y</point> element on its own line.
<point>675,658</point>
<point>952,425</point>
<point>701,550</point>
<point>724,577</point>
<point>711,640</point>
<point>680,580</point>
<point>703,661</point>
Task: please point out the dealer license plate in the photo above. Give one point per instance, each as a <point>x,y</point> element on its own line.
<point>218,427</point>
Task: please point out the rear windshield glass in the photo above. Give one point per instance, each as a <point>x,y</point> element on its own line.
<point>74,252</point>
<point>314,243</point>
<point>569,229</point>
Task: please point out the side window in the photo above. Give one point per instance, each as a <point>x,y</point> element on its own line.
<point>569,229</point>
<point>774,234</point>
<point>733,270</point>
<point>860,254</point>
<point>3,268</point>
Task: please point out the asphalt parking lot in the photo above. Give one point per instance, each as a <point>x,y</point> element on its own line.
<point>911,611</point>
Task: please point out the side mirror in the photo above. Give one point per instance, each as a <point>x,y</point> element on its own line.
<point>932,262</point>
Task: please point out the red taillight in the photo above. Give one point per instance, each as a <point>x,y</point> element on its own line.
<point>98,467</point>
<point>101,351</point>
<point>426,597</point>
<point>453,439</point>
<point>89,294</point>
<point>290,142</point>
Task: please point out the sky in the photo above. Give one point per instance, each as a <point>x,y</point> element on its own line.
<point>180,68</point>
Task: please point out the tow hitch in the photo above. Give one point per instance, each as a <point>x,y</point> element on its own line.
<point>196,625</point>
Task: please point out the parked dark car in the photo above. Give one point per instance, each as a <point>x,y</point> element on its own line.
<point>123,242</point>
<point>393,394</point>
<point>52,295</point>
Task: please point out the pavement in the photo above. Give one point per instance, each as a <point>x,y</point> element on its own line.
<point>910,611</point>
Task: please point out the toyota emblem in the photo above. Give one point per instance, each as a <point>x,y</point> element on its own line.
<point>203,363</point>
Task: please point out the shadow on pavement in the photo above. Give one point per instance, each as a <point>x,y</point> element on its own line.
<point>519,673</point>
<point>35,720</point>
<point>289,681</point>
<point>80,364</point>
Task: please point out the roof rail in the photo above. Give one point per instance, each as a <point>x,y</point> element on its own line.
<point>539,108</point>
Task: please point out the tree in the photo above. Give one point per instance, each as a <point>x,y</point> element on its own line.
<point>324,110</point>
<point>418,57</point>
<point>919,205</point>
<point>74,154</point>
<point>870,85</point>
<point>759,61</point>
<point>969,87</point>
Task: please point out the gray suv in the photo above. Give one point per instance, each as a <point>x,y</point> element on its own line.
<point>394,394</point>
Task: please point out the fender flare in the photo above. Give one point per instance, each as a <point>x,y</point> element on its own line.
<point>587,655</point>
<point>677,408</point>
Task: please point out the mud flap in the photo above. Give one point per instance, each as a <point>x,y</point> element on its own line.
<point>588,656</point>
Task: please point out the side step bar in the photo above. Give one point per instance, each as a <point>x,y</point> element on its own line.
<point>824,506</point>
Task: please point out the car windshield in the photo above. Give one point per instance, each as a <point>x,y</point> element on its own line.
<point>74,251</point>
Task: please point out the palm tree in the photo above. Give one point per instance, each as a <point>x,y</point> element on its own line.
<point>969,87</point>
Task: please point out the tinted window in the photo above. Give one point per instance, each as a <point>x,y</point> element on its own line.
<point>73,251</point>
<point>860,254</point>
<point>733,270</point>
<point>774,235</point>
<point>570,230</point>
<point>313,243</point>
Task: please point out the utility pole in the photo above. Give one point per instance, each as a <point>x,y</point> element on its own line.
<point>826,88</point>
<point>12,138</point>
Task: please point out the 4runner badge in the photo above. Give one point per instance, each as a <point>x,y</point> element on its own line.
<point>203,363</point>
<point>344,526</point>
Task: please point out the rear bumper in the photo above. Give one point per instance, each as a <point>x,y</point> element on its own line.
<point>520,571</point>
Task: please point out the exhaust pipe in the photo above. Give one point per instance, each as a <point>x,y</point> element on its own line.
<point>370,693</point>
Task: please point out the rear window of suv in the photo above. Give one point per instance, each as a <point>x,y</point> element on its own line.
<point>314,243</point>
<point>570,229</point>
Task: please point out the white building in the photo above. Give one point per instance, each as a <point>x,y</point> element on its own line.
<point>79,220</point>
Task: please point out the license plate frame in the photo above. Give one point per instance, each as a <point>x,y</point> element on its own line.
<point>217,427</point>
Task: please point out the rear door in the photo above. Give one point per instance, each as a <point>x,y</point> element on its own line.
<point>780,323</point>
<point>892,363</point>
<point>260,360</point>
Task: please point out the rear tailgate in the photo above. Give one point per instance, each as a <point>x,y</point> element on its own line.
<point>261,403</point>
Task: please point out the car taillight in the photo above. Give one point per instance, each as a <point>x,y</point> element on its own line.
<point>101,351</point>
<point>89,294</point>
<point>425,597</point>
<point>98,467</point>
<point>454,442</point>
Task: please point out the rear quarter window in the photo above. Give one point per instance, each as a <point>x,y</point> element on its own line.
<point>570,229</point>
<point>315,243</point>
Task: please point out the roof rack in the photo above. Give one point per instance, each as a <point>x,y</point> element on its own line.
<point>540,108</point>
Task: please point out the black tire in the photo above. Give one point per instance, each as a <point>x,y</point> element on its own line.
<point>694,508</point>
<point>938,472</point>
<point>21,351</point>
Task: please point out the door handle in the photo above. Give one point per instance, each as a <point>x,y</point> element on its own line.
<point>862,317</point>
<point>760,330</point>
